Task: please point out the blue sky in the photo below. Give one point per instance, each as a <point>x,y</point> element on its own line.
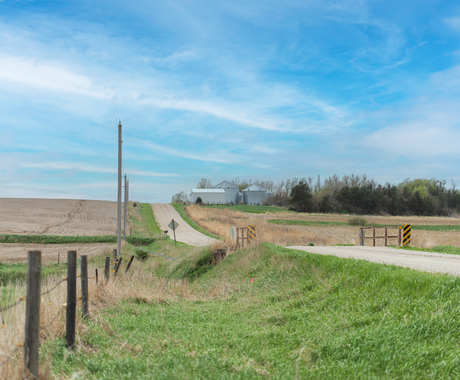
<point>248,89</point>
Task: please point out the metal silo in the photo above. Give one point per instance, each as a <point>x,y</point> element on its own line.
<point>254,195</point>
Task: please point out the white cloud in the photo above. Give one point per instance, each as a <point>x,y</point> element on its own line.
<point>453,22</point>
<point>220,156</point>
<point>91,168</point>
<point>45,75</point>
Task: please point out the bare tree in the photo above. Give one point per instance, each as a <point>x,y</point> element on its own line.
<point>180,198</point>
<point>204,184</point>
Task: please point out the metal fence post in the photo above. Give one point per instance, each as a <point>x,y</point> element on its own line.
<point>84,286</point>
<point>32,328</point>
<point>71,308</point>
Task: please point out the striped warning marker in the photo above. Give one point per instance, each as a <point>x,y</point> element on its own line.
<point>252,233</point>
<point>406,235</point>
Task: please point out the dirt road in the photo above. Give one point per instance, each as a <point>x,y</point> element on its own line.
<point>164,213</point>
<point>422,261</point>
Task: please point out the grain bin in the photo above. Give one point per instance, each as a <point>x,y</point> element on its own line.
<point>254,195</point>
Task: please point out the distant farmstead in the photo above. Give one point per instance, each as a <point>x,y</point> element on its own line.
<point>227,193</point>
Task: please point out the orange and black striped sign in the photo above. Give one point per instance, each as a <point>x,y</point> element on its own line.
<point>406,235</point>
<point>252,232</point>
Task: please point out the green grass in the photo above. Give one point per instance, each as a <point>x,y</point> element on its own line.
<point>52,239</point>
<point>253,209</point>
<point>180,208</point>
<point>148,220</point>
<point>290,222</point>
<point>439,248</point>
<point>17,272</point>
<point>437,227</point>
<point>305,316</point>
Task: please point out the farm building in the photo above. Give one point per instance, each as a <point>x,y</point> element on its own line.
<point>223,193</point>
<point>254,195</point>
<point>226,193</point>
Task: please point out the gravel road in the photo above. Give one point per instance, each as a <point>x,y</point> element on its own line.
<point>164,213</point>
<point>422,261</point>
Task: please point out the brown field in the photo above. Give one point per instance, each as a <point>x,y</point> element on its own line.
<point>17,253</point>
<point>57,217</point>
<point>218,221</point>
<point>63,217</point>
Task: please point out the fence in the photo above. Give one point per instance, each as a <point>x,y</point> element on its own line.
<point>362,235</point>
<point>33,298</point>
<point>245,235</point>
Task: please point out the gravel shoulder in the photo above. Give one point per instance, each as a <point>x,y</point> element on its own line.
<point>164,213</point>
<point>423,261</point>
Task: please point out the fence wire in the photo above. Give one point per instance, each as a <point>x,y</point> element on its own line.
<point>9,358</point>
<point>54,287</point>
<point>55,317</point>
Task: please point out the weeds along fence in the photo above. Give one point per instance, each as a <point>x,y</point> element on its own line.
<point>37,319</point>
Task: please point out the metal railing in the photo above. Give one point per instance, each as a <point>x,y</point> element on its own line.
<point>362,235</point>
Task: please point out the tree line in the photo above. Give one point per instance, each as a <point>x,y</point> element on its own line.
<point>354,194</point>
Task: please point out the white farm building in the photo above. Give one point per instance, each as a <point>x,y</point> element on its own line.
<point>226,193</point>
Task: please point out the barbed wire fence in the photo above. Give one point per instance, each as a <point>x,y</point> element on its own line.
<point>33,300</point>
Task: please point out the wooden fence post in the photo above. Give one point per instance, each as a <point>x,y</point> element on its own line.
<point>32,328</point>
<point>107,269</point>
<point>118,265</point>
<point>96,277</point>
<point>71,308</point>
<point>129,264</point>
<point>84,286</point>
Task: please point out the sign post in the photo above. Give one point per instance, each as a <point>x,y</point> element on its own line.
<point>173,225</point>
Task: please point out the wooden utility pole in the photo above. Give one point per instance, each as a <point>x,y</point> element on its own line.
<point>71,308</point>
<point>34,276</point>
<point>119,190</point>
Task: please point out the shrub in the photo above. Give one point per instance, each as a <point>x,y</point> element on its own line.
<point>142,255</point>
<point>345,212</point>
<point>199,200</point>
<point>134,204</point>
<point>357,221</point>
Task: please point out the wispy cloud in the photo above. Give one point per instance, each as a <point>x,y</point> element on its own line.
<point>91,168</point>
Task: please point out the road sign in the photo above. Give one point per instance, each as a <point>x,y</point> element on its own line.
<point>407,235</point>
<point>173,225</point>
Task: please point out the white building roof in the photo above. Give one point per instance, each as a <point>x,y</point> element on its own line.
<point>254,188</point>
<point>225,185</point>
<point>202,191</point>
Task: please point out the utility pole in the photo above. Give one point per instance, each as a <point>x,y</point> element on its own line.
<point>125,209</point>
<point>119,192</point>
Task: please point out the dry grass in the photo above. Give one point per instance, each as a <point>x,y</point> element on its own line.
<point>139,283</point>
<point>219,221</point>
<point>372,219</point>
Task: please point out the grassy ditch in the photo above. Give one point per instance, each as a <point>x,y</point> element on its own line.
<point>303,316</point>
<point>180,208</point>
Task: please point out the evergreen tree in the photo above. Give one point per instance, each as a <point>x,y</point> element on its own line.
<point>301,197</point>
